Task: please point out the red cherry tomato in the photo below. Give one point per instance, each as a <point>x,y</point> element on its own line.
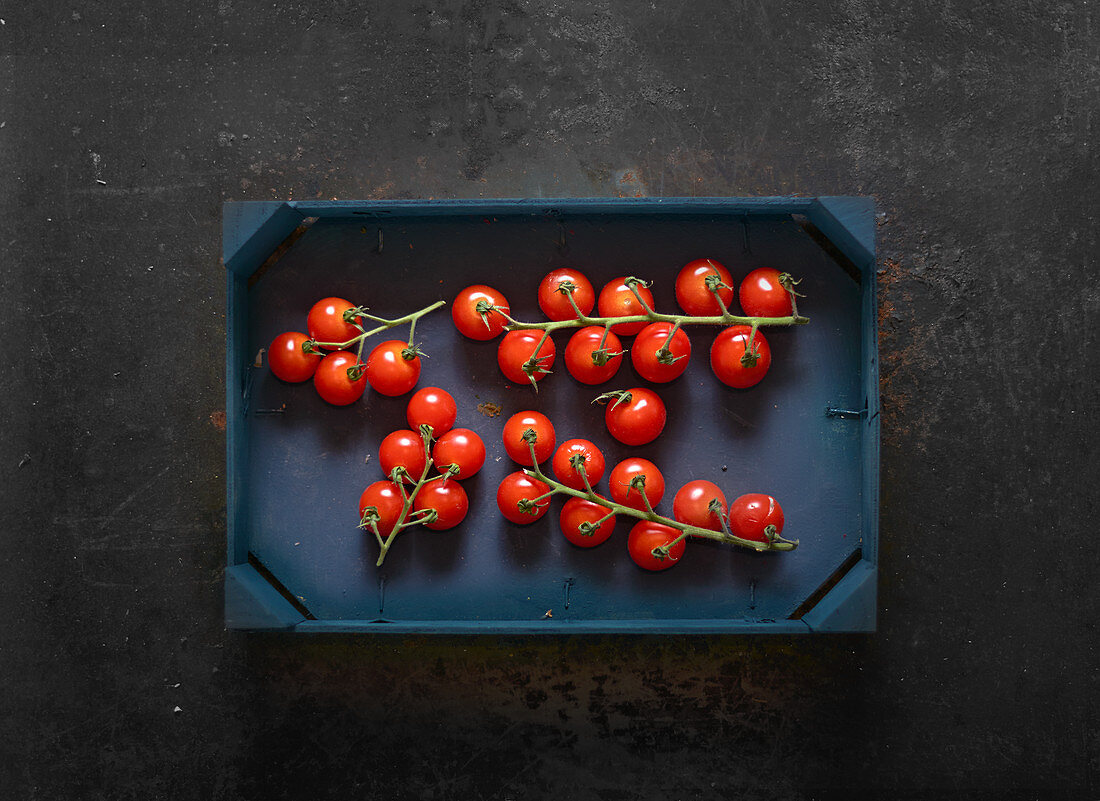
<point>517,448</point>
<point>616,300</point>
<point>692,505</point>
<point>461,447</point>
<point>389,372</point>
<point>637,417</point>
<point>579,355</point>
<point>386,498</point>
<point>326,323</point>
<point>691,288</point>
<point>287,359</point>
<point>516,349</point>
<point>578,511</point>
<point>762,295</point>
<point>621,490</point>
<point>647,535</point>
<point>432,406</point>
<point>403,449</point>
<point>751,514</point>
<point>469,321</point>
<point>517,487</point>
<point>333,382</point>
<point>645,353</point>
<point>555,304</point>
<point>563,467</point>
<point>729,347</point>
<point>449,500</point>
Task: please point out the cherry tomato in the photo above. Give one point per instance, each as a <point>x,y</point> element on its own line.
<point>636,417</point>
<point>579,355</point>
<point>462,447</point>
<point>729,347</point>
<point>386,498</point>
<point>326,323</point>
<point>555,304</point>
<point>751,514</point>
<point>645,353</point>
<point>518,487</point>
<point>577,511</point>
<point>619,483</point>
<point>449,500</point>
<point>517,447</point>
<point>567,474</point>
<point>692,505</point>
<point>647,535</point>
<point>333,382</point>
<point>389,372</point>
<point>691,288</point>
<point>762,295</point>
<point>517,348</point>
<point>287,359</point>
<point>469,321</point>
<point>403,449</point>
<point>432,406</point>
<point>616,300</point>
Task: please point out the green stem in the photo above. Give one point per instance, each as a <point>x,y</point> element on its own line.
<point>404,520</point>
<point>385,326</point>
<point>688,530</point>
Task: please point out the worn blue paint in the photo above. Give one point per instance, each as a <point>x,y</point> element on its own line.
<point>465,582</point>
<point>850,606</point>
<point>252,603</point>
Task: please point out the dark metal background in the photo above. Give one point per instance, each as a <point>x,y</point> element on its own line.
<point>125,126</point>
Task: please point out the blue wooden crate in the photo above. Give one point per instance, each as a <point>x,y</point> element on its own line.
<point>808,434</point>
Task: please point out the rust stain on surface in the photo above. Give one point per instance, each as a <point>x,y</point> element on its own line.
<point>217,419</point>
<point>490,409</point>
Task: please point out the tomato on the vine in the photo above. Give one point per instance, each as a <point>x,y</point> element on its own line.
<point>584,349</point>
<point>692,292</point>
<point>647,536</point>
<point>762,294</point>
<point>578,511</point>
<point>649,356</point>
<point>617,300</point>
<point>517,348</point>
<point>432,406</point>
<point>449,500</point>
<point>326,322</point>
<point>751,514</point>
<point>517,488</point>
<point>555,304</point>
<point>389,371</point>
<point>460,447</point>
<point>333,382</point>
<point>403,449</point>
<point>516,446</point>
<point>287,359</point>
<point>636,416</point>
<point>692,505</point>
<point>726,354</point>
<point>384,496</point>
<point>564,470</point>
<point>475,324</point>
<point>620,483</point>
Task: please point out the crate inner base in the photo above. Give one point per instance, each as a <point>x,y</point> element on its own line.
<point>308,462</point>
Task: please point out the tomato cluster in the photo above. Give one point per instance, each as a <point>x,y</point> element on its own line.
<point>407,457</point>
<point>523,497</point>
<point>325,355</point>
<point>739,356</point>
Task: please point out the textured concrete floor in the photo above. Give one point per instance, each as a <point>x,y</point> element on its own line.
<point>125,126</point>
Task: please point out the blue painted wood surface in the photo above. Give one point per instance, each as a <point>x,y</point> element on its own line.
<point>296,476</point>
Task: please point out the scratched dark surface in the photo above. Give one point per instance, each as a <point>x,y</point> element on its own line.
<point>124,127</point>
